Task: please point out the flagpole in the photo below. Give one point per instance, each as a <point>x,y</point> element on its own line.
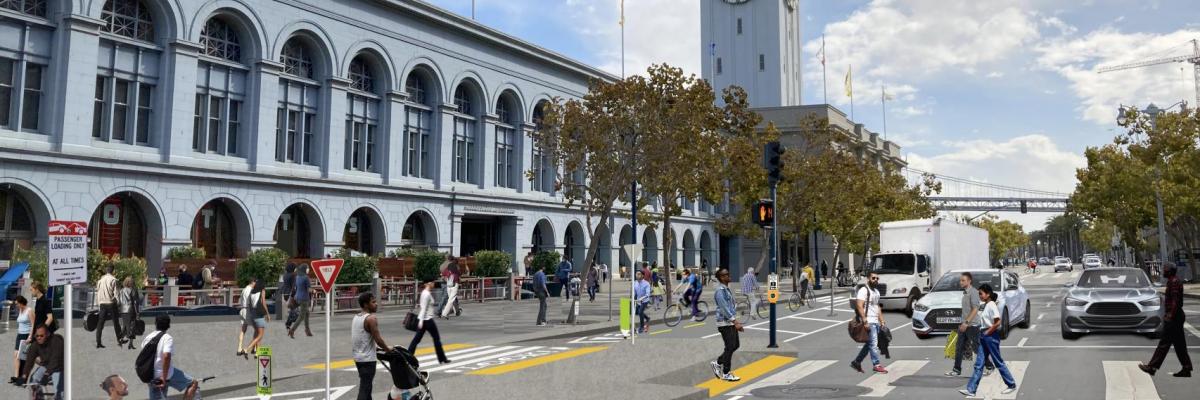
<point>824,82</point>
<point>883,101</point>
<point>850,79</point>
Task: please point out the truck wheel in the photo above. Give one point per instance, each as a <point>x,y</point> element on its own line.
<point>908,308</point>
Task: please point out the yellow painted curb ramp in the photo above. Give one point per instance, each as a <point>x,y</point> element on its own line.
<point>747,373</point>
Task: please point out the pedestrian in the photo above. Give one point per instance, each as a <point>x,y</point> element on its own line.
<point>968,330</point>
<point>115,387</point>
<point>750,287</point>
<point>260,317</point>
<point>24,329</point>
<point>286,292</point>
<point>867,309</point>
<point>302,296</point>
<point>45,359</point>
<point>529,262</point>
<point>246,315</point>
<point>1173,322</point>
<point>203,280</point>
<point>989,344</point>
<point>364,339</point>
<point>42,311</point>
<point>824,269</point>
<point>592,282</point>
<point>728,326</point>
<point>168,374</point>
<point>541,292</point>
<point>453,278</point>
<point>656,293</point>
<point>563,274</point>
<point>641,294</point>
<point>425,323</point>
<point>130,306</point>
<point>106,296</point>
<point>184,279</point>
<point>605,271</point>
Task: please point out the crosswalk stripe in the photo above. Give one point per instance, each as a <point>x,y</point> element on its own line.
<point>748,372</point>
<point>786,377</point>
<point>1192,329</point>
<point>990,387</point>
<point>523,364</point>
<point>1123,380</point>
<point>343,364</point>
<point>477,357</point>
<point>881,384</point>
<point>425,359</point>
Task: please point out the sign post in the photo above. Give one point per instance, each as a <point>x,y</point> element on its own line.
<point>66,256</point>
<point>263,383</point>
<point>327,271</point>
<point>634,251</point>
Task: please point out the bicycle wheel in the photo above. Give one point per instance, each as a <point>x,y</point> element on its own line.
<point>812,300</point>
<point>761,310</point>
<point>743,309</point>
<point>673,315</point>
<point>703,307</point>
<point>794,302</point>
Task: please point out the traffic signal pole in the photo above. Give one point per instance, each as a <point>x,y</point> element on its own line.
<point>773,263</point>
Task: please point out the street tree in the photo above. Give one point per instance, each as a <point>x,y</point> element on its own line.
<point>1003,235</point>
<point>746,179</point>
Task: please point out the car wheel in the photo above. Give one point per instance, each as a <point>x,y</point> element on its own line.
<point>1004,327</point>
<point>1025,322</point>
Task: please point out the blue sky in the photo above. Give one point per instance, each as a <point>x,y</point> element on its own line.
<point>1002,91</point>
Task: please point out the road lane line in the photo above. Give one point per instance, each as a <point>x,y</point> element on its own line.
<point>481,356</point>
<point>694,325</point>
<point>1123,380</point>
<point>340,364</point>
<point>816,319</point>
<point>1192,329</point>
<point>881,384</point>
<point>776,330</point>
<point>1022,342</point>
<point>901,326</point>
<point>1040,316</point>
<point>662,331</point>
<point>991,387</point>
<point>1031,327</point>
<point>819,330</point>
<point>748,372</point>
<point>533,362</point>
<point>735,398</point>
<point>786,377</point>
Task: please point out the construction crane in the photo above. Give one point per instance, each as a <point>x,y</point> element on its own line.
<point>1193,58</point>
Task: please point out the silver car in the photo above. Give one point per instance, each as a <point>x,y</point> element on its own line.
<point>1111,300</point>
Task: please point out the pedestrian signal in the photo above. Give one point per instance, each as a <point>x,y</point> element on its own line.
<point>764,213</point>
<point>773,161</point>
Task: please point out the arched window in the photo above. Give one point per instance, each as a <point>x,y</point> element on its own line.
<point>543,167</point>
<point>362,118</point>
<point>464,137</point>
<point>506,143</point>
<point>418,142</point>
<point>30,7</point>
<point>16,224</point>
<point>128,18</point>
<point>220,91</point>
<point>127,75</point>
<point>296,123</point>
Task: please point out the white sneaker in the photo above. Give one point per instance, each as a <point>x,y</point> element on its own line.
<point>966,392</point>
<point>988,371</point>
<point>716,366</point>
<point>731,377</point>
<point>1008,390</point>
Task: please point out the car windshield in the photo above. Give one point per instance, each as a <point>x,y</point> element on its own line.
<point>894,264</point>
<point>949,281</point>
<point>1062,260</point>
<point>1113,278</point>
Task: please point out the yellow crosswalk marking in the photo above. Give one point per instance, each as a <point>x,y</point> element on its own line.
<point>339,364</point>
<point>533,362</point>
<point>747,373</point>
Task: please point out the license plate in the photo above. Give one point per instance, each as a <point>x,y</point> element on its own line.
<point>949,320</point>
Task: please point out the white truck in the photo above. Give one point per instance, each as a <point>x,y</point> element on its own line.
<point>915,253</point>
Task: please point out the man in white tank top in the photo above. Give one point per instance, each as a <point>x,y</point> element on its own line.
<point>364,339</point>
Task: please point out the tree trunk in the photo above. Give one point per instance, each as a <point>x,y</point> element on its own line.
<point>667,238</point>
<point>593,244</point>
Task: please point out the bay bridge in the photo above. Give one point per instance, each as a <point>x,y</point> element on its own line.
<point>963,194</point>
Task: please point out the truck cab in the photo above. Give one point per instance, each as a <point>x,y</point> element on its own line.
<point>903,278</point>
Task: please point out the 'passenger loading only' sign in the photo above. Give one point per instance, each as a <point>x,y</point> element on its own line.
<point>67,252</point>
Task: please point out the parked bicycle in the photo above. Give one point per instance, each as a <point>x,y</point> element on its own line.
<point>675,312</point>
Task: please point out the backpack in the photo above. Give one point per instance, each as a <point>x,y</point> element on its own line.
<point>198,281</point>
<point>144,364</point>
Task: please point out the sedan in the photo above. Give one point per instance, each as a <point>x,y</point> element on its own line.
<point>1111,300</point>
<point>940,311</point>
<point>1091,262</point>
<point>1063,263</point>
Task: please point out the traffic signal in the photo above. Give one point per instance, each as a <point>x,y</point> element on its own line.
<point>764,213</point>
<point>773,161</point>
<point>1024,208</point>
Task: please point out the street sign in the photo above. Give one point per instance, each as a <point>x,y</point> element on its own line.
<point>67,252</point>
<point>327,271</point>
<point>263,383</point>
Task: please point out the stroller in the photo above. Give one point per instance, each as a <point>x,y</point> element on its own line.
<point>406,374</point>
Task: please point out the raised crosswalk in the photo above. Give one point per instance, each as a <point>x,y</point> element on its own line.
<point>494,360</point>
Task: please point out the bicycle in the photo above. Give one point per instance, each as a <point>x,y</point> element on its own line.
<point>674,312</point>
<point>760,307</point>
<point>797,301</point>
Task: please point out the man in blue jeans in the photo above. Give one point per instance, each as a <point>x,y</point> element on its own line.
<point>867,307</point>
<point>641,294</point>
<point>166,375</point>
<point>564,276</point>
<point>45,357</point>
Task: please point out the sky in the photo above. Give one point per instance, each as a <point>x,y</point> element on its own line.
<point>999,91</point>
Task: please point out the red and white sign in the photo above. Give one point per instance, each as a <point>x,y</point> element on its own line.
<point>327,271</point>
<point>67,252</point>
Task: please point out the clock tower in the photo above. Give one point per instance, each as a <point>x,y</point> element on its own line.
<point>754,44</point>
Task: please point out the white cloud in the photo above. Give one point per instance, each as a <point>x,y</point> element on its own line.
<point>656,31</point>
<point>1079,59</point>
<point>995,74</point>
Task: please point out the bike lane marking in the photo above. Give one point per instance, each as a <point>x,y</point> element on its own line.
<point>748,372</point>
<point>533,362</point>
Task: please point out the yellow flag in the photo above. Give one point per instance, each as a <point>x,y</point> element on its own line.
<point>849,86</point>
<point>622,21</point>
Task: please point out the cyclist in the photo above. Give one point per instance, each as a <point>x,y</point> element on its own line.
<point>694,288</point>
<point>750,287</point>
<point>806,277</point>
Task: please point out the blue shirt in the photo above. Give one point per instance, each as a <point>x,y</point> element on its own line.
<point>539,279</point>
<point>641,291</point>
<point>564,270</point>
<point>302,287</point>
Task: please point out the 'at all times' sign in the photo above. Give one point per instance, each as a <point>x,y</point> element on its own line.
<point>67,252</point>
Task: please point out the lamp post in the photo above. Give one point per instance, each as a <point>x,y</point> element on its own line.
<point>1153,111</point>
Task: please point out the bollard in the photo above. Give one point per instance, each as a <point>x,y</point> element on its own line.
<point>171,292</point>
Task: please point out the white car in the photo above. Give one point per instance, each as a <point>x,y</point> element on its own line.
<point>1091,262</point>
<point>1063,263</point>
<point>941,310</point>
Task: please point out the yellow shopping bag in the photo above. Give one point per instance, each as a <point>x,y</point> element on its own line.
<point>951,344</point>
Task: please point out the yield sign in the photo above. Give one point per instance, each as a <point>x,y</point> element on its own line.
<point>327,271</point>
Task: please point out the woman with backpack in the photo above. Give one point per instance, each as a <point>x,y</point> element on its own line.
<point>129,301</point>
<point>989,344</point>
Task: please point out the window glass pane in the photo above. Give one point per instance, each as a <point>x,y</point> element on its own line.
<point>32,103</point>
<point>6,79</point>
<point>309,121</point>
<point>370,147</point>
<point>98,109</point>
<point>20,216</point>
<point>280,135</point>
<point>120,109</point>
<point>129,18</point>
<point>143,113</point>
<point>197,120</point>
<point>292,126</point>
<point>214,123</point>
<point>235,108</point>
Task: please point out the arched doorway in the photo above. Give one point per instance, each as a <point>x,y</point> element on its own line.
<point>689,249</point>
<point>18,225</point>
<point>118,227</point>
<point>364,232</point>
<point>673,253</point>
<point>543,237</point>
<point>220,230</point>
<point>574,244</point>
<point>625,238</point>
<point>706,251</point>
<point>649,246</point>
<point>604,246</point>
<point>418,232</point>
<point>298,232</point>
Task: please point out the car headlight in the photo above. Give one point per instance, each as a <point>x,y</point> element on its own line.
<point>1155,302</point>
<point>1073,302</point>
<point>900,291</point>
<point>921,307</point>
